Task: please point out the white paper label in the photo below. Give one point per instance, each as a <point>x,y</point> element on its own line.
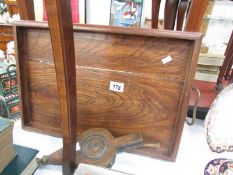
<point>167,59</point>
<point>116,86</point>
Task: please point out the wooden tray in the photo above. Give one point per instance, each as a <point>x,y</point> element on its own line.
<point>155,97</point>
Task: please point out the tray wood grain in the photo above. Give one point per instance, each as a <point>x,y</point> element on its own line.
<point>155,97</point>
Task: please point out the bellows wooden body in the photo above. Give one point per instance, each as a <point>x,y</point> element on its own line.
<point>156,67</point>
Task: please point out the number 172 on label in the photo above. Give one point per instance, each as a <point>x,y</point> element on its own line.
<point>116,86</point>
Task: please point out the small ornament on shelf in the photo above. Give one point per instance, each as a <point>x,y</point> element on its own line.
<point>3,7</point>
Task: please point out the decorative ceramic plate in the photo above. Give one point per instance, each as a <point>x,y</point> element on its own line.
<point>226,168</point>
<point>219,122</point>
<point>212,168</point>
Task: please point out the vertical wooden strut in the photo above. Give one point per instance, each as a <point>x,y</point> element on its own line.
<point>155,13</point>
<point>26,9</point>
<point>182,8</point>
<point>195,15</point>
<point>170,14</point>
<point>61,30</point>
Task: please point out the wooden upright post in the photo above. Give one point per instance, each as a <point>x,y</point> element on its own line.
<point>195,15</point>
<point>155,13</point>
<point>61,30</point>
<point>170,14</point>
<point>26,9</point>
<point>182,8</point>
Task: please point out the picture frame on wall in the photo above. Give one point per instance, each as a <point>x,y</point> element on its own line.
<point>78,8</point>
<point>126,13</point>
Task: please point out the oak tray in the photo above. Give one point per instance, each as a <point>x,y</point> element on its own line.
<point>155,97</point>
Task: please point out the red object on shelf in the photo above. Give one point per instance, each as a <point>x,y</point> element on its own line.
<point>74,9</point>
<point>208,93</point>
